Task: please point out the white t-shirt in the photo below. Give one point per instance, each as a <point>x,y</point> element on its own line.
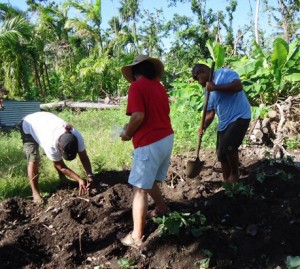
<point>46,128</point>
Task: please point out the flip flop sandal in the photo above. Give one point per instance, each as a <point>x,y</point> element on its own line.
<point>129,241</point>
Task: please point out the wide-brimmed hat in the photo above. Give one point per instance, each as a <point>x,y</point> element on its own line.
<point>127,69</point>
<point>69,146</point>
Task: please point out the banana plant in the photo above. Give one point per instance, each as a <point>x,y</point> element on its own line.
<point>217,53</point>
<point>270,75</point>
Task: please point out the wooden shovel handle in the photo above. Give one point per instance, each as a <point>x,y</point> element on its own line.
<point>211,75</point>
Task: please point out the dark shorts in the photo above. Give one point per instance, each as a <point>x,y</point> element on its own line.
<point>231,138</point>
<point>30,146</point>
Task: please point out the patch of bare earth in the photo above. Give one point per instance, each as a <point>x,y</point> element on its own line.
<point>257,231</point>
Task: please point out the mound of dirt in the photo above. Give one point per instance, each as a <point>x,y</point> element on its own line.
<point>255,224</point>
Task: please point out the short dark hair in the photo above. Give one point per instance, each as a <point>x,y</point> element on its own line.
<point>197,70</point>
<point>145,68</point>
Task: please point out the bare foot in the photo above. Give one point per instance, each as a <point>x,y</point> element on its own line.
<point>233,179</point>
<point>38,200</point>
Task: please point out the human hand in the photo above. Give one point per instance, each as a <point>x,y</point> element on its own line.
<point>123,135</point>
<point>200,131</point>
<point>82,187</point>
<point>210,86</point>
<point>89,181</point>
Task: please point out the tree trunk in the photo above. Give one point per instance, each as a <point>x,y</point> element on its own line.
<point>285,27</point>
<point>256,21</point>
<point>36,72</point>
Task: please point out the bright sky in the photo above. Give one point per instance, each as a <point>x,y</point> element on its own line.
<point>110,9</point>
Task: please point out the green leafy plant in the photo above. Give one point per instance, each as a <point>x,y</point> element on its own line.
<point>204,263</point>
<point>267,76</point>
<point>293,262</point>
<point>217,52</point>
<point>288,160</point>
<point>261,176</point>
<point>283,175</point>
<point>239,188</point>
<point>292,142</point>
<point>126,263</point>
<point>285,160</point>
<point>260,111</point>
<point>187,95</point>
<point>175,222</point>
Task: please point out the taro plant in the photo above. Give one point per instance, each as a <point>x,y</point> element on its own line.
<point>187,96</point>
<point>176,222</point>
<point>293,262</point>
<point>204,263</point>
<point>284,175</point>
<point>125,263</point>
<point>260,177</point>
<point>238,188</point>
<point>285,160</point>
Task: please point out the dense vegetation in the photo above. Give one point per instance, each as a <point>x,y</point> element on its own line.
<point>57,56</point>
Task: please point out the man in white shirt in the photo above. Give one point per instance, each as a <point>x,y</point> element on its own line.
<point>59,141</point>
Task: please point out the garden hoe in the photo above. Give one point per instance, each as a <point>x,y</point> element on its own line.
<point>193,167</point>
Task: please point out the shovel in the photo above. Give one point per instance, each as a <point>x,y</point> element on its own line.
<point>193,167</point>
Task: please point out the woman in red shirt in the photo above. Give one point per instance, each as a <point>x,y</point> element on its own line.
<point>150,129</point>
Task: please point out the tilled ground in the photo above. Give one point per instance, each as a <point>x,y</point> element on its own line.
<point>254,226</point>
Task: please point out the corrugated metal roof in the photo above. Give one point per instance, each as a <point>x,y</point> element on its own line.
<point>14,111</point>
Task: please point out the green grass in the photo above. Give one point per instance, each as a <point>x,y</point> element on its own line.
<point>105,149</point>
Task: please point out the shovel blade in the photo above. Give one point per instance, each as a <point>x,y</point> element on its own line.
<point>193,168</point>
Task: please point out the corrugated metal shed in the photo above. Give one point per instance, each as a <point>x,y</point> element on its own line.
<point>14,111</point>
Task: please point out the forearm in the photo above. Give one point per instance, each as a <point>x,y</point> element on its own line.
<point>233,87</point>
<point>83,185</point>
<point>209,117</point>
<point>134,123</point>
<point>207,123</point>
<point>69,173</point>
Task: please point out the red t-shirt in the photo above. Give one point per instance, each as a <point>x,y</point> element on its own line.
<point>150,97</point>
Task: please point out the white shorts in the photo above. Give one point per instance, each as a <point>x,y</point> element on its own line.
<point>151,163</point>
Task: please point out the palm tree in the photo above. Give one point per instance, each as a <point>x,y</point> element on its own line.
<point>129,11</point>
<point>119,39</point>
<point>8,12</point>
<point>15,33</point>
<point>90,25</point>
<point>152,34</point>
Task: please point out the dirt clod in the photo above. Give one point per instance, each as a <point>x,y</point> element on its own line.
<point>256,229</point>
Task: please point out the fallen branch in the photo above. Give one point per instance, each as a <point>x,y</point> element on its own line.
<point>97,105</point>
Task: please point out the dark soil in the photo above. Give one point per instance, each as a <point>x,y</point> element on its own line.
<point>257,230</point>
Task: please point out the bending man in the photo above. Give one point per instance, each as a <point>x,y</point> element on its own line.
<point>59,141</point>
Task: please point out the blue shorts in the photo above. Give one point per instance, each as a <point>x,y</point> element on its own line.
<point>151,163</point>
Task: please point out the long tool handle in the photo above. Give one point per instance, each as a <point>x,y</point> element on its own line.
<point>211,74</point>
